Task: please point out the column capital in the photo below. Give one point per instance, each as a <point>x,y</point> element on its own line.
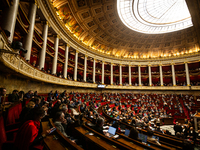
<point>160,64</point>
<point>149,65</point>
<point>120,64</point>
<point>129,65</point>
<point>139,65</point>
<point>67,45</point>
<point>86,55</point>
<point>45,23</point>
<point>172,63</point>
<point>36,3</point>
<point>111,64</point>
<point>77,51</point>
<point>103,61</point>
<point>94,59</point>
<point>56,36</point>
<point>185,62</point>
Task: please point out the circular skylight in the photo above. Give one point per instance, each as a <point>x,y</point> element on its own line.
<point>154,16</point>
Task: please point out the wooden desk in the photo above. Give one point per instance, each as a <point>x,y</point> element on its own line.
<point>66,142</point>
<point>131,144</point>
<point>50,143</point>
<point>167,140</point>
<point>100,144</point>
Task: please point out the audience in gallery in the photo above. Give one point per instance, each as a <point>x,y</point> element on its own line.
<point>138,110</point>
<point>89,78</point>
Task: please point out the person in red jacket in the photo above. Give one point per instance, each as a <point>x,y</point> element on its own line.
<point>29,136</point>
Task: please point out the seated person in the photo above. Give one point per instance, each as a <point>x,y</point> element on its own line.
<point>58,120</point>
<point>26,110</point>
<point>74,112</point>
<point>14,96</point>
<point>134,134</point>
<point>149,137</point>
<point>198,136</point>
<point>99,125</point>
<point>29,135</point>
<point>191,134</point>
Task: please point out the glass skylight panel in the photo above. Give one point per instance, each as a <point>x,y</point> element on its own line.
<point>147,15</point>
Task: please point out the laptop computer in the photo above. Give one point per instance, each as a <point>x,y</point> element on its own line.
<point>127,132</point>
<point>142,137</point>
<point>111,131</point>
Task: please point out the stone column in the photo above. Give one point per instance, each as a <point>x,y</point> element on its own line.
<point>150,80</point>
<point>94,70</point>
<point>85,69</point>
<point>139,77</point>
<point>75,66</point>
<point>44,46</point>
<point>29,37</point>
<point>102,78</point>
<point>173,75</point>
<point>111,73</point>
<point>187,74</point>
<point>56,43</point>
<point>120,74</point>
<point>66,60</point>
<point>129,72</point>
<point>161,75</point>
<point>9,19</point>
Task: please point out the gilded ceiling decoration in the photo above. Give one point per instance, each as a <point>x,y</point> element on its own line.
<point>96,24</point>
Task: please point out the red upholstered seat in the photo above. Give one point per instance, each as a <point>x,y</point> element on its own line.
<point>3,136</point>
<point>11,116</point>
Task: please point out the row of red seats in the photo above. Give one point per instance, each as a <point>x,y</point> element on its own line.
<point>13,114</point>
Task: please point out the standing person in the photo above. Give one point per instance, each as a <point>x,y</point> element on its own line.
<point>29,135</point>
<point>157,121</point>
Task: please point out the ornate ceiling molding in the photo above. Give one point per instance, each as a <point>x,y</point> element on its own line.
<point>57,24</point>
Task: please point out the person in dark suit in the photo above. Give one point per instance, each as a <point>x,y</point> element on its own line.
<point>99,125</point>
<point>176,128</point>
<point>191,134</point>
<point>179,128</point>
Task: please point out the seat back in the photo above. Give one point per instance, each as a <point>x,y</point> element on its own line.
<point>3,137</point>
<point>11,116</point>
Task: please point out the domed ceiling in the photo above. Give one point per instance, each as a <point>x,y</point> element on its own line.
<point>96,23</point>
<point>154,16</point>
